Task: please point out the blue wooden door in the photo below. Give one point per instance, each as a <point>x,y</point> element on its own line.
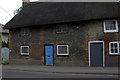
<point>48,54</point>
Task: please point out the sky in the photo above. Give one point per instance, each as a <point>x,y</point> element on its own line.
<point>7,8</point>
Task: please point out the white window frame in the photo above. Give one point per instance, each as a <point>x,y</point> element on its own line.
<point>24,53</point>
<point>116,22</point>
<point>117,48</point>
<point>63,53</point>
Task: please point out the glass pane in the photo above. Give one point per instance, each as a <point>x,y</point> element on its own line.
<point>58,29</point>
<point>65,28</point>
<point>110,25</point>
<point>115,44</point>
<point>116,51</point>
<point>62,49</point>
<point>24,49</point>
<point>112,51</point>
<point>25,31</point>
<point>107,24</point>
<point>112,44</point>
<point>107,27</point>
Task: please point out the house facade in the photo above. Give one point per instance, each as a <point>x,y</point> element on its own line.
<point>4,34</point>
<point>66,34</point>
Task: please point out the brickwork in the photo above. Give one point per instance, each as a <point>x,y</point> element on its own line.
<point>77,38</point>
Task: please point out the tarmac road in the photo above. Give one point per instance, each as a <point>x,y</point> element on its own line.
<point>30,74</point>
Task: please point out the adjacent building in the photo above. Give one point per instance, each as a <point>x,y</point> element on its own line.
<point>4,34</point>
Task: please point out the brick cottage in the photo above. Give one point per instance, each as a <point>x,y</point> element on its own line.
<point>66,34</point>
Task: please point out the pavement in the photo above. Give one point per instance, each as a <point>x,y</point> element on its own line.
<point>64,69</point>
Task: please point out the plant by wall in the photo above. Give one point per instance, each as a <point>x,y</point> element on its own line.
<point>5,44</point>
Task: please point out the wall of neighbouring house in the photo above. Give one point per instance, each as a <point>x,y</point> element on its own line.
<point>0,40</point>
<point>77,38</point>
<point>0,47</point>
<point>5,37</point>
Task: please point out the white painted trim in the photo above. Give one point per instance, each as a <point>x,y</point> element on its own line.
<point>116,22</point>
<point>89,50</point>
<point>117,49</point>
<point>21,50</point>
<point>63,53</point>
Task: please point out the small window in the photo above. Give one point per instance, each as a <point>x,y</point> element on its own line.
<point>62,50</point>
<point>25,31</point>
<point>24,50</point>
<point>62,28</point>
<point>110,26</point>
<point>114,48</point>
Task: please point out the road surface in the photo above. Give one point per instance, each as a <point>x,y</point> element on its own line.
<point>28,74</point>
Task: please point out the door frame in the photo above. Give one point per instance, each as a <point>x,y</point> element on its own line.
<point>45,54</point>
<point>89,42</point>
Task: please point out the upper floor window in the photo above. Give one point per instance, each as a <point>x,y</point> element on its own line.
<point>25,31</point>
<point>110,26</point>
<point>62,28</point>
<point>24,50</point>
<point>114,48</point>
<point>62,50</point>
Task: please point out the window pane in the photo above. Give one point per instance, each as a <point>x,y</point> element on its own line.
<point>112,44</point>
<point>113,25</point>
<point>116,51</point>
<point>107,24</point>
<point>24,49</point>
<point>62,28</point>
<point>107,27</point>
<point>58,28</point>
<point>112,51</point>
<point>110,25</point>
<point>62,49</point>
<point>65,28</point>
<point>25,31</point>
<point>115,44</point>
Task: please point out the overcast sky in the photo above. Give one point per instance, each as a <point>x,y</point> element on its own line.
<point>7,7</point>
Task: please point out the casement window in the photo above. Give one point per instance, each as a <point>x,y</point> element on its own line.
<point>24,50</point>
<point>62,28</point>
<point>62,50</point>
<point>25,31</point>
<point>114,48</point>
<point>110,25</point>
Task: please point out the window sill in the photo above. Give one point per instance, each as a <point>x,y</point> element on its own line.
<point>114,54</point>
<point>110,31</point>
<point>24,54</point>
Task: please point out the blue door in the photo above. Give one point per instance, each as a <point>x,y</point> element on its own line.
<point>48,54</point>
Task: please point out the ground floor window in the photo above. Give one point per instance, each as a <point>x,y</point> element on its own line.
<point>62,50</point>
<point>24,50</point>
<point>114,48</point>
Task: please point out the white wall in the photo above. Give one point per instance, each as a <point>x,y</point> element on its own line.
<point>5,37</point>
